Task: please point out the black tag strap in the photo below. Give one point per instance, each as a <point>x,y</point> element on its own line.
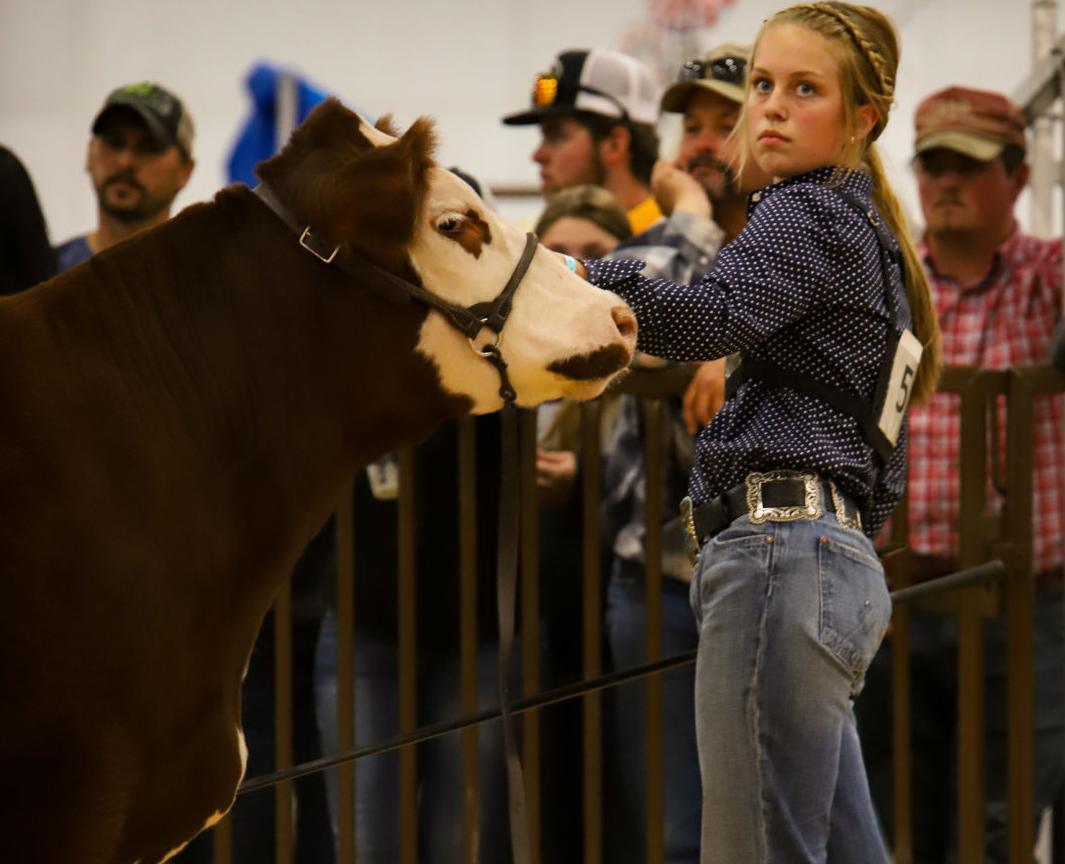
<point>776,376</point>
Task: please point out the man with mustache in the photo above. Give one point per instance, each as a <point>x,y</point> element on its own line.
<point>998,295</point>
<point>139,158</point>
<point>701,184</point>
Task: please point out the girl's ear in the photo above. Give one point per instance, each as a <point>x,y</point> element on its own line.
<point>867,119</point>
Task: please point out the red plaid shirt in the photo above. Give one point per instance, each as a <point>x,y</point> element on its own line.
<point>1006,320</point>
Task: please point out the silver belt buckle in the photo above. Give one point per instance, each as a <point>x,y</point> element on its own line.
<point>687,518</point>
<point>759,513</point>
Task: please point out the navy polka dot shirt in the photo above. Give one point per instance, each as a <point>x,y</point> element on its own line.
<point>802,285</point>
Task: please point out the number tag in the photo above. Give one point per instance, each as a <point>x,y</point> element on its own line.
<point>900,385</point>
<point>384,477</point>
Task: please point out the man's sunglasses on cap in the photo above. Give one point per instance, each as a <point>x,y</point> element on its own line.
<point>729,69</point>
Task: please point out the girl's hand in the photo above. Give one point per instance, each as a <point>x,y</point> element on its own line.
<point>705,394</point>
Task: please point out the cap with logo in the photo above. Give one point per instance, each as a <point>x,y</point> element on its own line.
<point>722,71</point>
<point>975,123</point>
<point>162,112</point>
<point>595,81</point>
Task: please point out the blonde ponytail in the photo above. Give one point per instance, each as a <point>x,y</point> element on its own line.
<point>918,292</point>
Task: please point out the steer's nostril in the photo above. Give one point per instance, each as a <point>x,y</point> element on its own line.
<point>625,321</point>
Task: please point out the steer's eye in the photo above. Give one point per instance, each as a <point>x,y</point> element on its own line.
<point>450,223</point>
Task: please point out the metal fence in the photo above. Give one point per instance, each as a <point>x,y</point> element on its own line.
<point>985,536</point>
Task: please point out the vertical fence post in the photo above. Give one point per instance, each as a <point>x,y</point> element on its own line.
<point>1020,605</point>
<point>901,738</point>
<point>530,622</point>
<point>978,410</point>
<point>284,834</point>
<point>222,840</point>
<point>345,661</point>
<point>471,793</point>
<point>408,662</point>
<point>654,425</point>
<point>593,635</point>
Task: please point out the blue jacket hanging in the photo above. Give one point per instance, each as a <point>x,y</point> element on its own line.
<point>258,139</point>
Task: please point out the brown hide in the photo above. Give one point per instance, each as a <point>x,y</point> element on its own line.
<point>179,415</point>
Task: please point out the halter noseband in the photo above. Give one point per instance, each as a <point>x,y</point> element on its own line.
<point>468,320</point>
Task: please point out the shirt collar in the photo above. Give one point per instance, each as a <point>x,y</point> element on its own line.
<point>834,176</point>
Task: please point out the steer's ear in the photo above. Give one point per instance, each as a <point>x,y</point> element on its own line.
<point>304,174</point>
<point>380,193</point>
<point>334,179</point>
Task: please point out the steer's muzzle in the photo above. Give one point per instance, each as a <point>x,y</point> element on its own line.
<point>606,361</point>
<point>595,366</point>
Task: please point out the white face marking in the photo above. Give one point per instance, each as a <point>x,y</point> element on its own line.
<point>555,314</point>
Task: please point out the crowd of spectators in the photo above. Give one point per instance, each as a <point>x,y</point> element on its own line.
<point>608,194</point>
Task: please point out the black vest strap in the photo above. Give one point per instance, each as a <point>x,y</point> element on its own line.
<point>864,412</point>
<point>849,404</point>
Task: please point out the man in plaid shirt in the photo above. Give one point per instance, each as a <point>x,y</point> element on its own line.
<point>998,296</point>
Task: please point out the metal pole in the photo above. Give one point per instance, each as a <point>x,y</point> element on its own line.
<point>285,108</point>
<point>1045,174</point>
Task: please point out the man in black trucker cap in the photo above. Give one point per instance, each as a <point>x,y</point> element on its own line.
<point>597,110</point>
<point>139,158</point>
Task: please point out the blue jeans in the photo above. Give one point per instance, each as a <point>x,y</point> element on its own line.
<point>625,624</point>
<point>439,792</point>
<point>790,615</point>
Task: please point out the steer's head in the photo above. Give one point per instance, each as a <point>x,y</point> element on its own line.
<point>386,197</point>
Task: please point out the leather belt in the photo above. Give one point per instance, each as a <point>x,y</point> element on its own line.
<point>772,496</point>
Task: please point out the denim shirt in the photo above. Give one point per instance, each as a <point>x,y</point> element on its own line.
<point>802,285</point>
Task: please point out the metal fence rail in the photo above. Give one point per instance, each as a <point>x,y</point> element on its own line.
<point>994,547</point>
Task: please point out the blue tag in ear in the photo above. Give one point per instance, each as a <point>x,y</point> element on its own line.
<point>571,262</point>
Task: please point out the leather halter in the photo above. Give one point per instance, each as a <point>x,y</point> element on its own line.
<point>468,320</point>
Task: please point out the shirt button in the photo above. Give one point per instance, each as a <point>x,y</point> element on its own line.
<point>756,197</point>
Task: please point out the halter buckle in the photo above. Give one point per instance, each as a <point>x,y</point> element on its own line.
<point>306,238</point>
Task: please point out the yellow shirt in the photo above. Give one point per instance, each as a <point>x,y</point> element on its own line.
<point>644,215</point>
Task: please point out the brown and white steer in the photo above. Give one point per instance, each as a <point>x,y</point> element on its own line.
<point>177,418</point>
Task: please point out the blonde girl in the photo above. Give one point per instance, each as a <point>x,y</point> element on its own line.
<point>825,301</point>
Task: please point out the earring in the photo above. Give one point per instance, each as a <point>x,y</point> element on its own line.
<point>852,139</point>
